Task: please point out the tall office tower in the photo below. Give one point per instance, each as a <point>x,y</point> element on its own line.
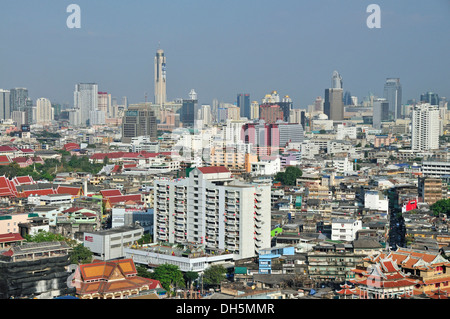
<point>189,110</point>
<point>205,114</point>
<point>380,112</point>
<point>336,81</point>
<point>139,121</point>
<point>243,102</point>
<point>290,133</point>
<point>425,127</point>
<point>44,111</point>
<point>86,100</point>
<point>393,93</point>
<point>430,97</point>
<point>160,78</point>
<point>5,104</point>
<point>318,104</point>
<point>271,113</point>
<point>215,110</point>
<point>333,105</point>
<point>105,103</point>
<point>18,98</point>
<point>254,110</point>
<point>348,100</point>
<point>212,209</point>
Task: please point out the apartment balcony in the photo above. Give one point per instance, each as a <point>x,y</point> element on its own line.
<point>232,234</point>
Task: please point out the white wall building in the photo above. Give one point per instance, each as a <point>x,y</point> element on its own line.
<point>344,229</point>
<point>375,200</point>
<point>111,243</point>
<point>425,127</point>
<point>212,209</point>
<point>44,111</point>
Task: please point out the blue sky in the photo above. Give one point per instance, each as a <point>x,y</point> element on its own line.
<point>221,48</point>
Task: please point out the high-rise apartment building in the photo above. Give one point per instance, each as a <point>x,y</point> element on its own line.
<point>139,121</point>
<point>425,127</point>
<point>44,111</point>
<point>5,104</point>
<point>393,94</point>
<point>105,104</point>
<point>211,209</point>
<point>254,110</point>
<point>86,100</point>
<point>160,78</point>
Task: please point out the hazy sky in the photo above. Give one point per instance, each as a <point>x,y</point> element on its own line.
<point>221,48</point>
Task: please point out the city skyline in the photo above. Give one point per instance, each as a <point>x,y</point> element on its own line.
<point>223,50</point>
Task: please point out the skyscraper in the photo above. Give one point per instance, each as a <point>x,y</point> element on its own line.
<point>333,105</point>
<point>160,78</point>
<point>189,109</point>
<point>212,209</point>
<point>380,112</point>
<point>430,97</point>
<point>336,81</point>
<point>139,121</point>
<point>393,94</point>
<point>5,104</point>
<point>18,97</point>
<point>86,100</point>
<point>425,127</point>
<point>44,111</point>
<point>243,102</point>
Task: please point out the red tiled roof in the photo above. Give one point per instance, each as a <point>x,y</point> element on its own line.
<point>23,180</point>
<point>4,159</point>
<point>213,169</point>
<point>21,160</point>
<point>124,198</point>
<point>5,148</point>
<point>5,238</point>
<point>68,190</point>
<point>26,150</point>
<point>111,192</point>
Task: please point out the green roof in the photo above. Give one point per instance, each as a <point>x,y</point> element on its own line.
<point>240,270</point>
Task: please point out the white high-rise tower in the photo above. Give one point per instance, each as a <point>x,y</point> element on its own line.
<point>425,127</point>
<point>160,78</point>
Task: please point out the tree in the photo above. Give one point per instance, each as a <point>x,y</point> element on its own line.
<point>190,277</point>
<point>143,272</point>
<point>441,207</point>
<point>44,236</point>
<point>80,255</point>
<point>214,275</point>
<point>289,176</point>
<point>169,276</point>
